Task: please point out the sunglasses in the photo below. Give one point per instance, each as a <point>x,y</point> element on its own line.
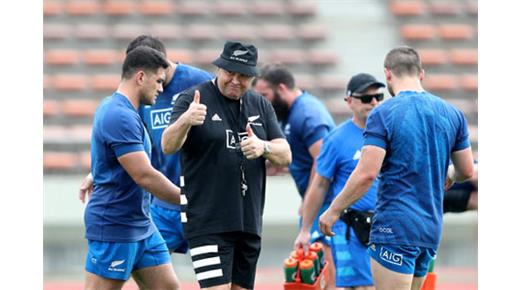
<point>366,99</point>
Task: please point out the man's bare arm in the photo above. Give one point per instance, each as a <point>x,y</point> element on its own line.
<point>357,185</point>
<point>138,166</point>
<point>462,168</point>
<point>312,203</point>
<point>280,152</point>
<point>175,135</point>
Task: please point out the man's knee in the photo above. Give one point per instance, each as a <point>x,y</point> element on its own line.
<point>95,282</point>
<point>220,287</point>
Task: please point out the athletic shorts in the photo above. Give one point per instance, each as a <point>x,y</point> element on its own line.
<point>226,257</point>
<point>118,260</point>
<point>316,234</point>
<point>168,222</point>
<point>403,259</point>
<point>350,258</point>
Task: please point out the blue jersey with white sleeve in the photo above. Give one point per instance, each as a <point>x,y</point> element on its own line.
<point>308,121</point>
<point>337,160</point>
<point>157,117</point>
<point>118,210</point>
<point>419,131</point>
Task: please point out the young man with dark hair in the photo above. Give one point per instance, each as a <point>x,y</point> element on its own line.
<point>156,118</point>
<point>122,239</point>
<point>223,165</point>
<point>409,139</point>
<point>338,157</point>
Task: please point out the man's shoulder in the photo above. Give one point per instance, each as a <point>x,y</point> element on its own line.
<point>444,105</point>
<point>339,133</point>
<point>201,87</point>
<point>311,107</point>
<point>113,108</point>
<point>309,100</point>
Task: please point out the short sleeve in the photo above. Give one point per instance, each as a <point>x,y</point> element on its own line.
<point>327,159</point>
<point>124,134</point>
<point>375,131</point>
<point>462,140</point>
<point>180,104</point>
<point>314,129</point>
<point>273,128</point>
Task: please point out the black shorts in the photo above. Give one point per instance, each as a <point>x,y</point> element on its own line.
<point>456,200</point>
<point>226,257</point>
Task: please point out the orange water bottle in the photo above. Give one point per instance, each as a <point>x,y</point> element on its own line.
<point>290,268</point>
<point>298,254</point>
<point>318,249</point>
<point>307,273</point>
<point>314,258</point>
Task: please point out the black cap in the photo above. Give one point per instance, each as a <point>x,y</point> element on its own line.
<point>238,58</point>
<point>361,82</point>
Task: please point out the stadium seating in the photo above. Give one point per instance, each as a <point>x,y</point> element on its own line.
<point>84,43</point>
<point>445,32</point>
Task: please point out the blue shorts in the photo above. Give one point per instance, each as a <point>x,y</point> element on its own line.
<point>168,222</point>
<point>316,234</point>
<point>403,259</point>
<point>350,258</point>
<point>118,260</point>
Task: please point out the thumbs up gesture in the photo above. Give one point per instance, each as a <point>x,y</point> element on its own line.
<point>252,147</point>
<point>196,113</point>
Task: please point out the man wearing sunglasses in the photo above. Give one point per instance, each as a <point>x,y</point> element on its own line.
<point>338,157</point>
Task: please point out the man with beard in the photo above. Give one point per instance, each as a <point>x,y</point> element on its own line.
<point>338,157</point>
<point>305,122</point>
<point>223,168</point>
<point>409,141</point>
<point>122,239</point>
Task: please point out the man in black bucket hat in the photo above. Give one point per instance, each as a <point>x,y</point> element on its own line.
<point>239,58</point>
<point>223,168</point>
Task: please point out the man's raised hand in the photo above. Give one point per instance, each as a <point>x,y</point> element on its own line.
<point>196,113</point>
<point>252,147</point>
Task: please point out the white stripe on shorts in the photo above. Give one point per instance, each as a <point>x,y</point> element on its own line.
<point>182,180</point>
<point>184,218</point>
<point>184,200</point>
<point>204,250</point>
<point>209,274</point>
<point>206,262</point>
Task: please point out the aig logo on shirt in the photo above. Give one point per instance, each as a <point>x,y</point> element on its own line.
<point>231,141</point>
<point>160,118</point>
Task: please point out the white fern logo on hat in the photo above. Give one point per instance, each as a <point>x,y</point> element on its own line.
<point>239,52</point>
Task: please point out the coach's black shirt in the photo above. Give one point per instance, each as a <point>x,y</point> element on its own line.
<point>211,160</point>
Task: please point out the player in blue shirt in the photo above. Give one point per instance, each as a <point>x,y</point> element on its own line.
<point>305,122</point>
<point>122,239</point>
<point>409,139</point>
<point>156,118</point>
<point>338,157</point>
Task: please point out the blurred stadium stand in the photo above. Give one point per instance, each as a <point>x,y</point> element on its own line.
<point>84,43</point>
<point>323,42</point>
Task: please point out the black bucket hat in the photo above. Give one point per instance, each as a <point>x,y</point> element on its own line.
<point>238,58</point>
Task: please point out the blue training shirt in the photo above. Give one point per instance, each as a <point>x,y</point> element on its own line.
<point>419,131</point>
<point>308,121</point>
<point>157,118</point>
<point>119,210</point>
<point>338,158</point>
